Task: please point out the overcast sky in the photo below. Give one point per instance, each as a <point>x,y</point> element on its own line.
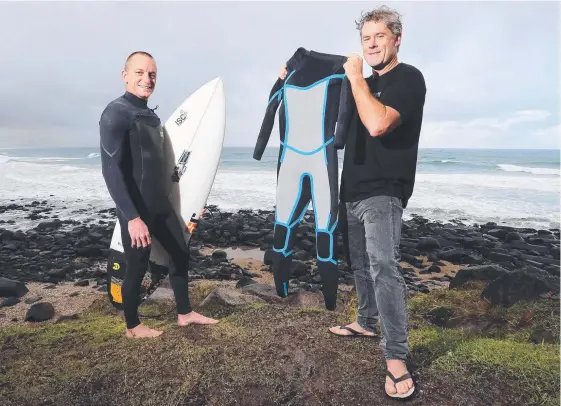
<point>491,69</point>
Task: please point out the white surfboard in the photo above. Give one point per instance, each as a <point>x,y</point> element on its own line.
<point>193,141</point>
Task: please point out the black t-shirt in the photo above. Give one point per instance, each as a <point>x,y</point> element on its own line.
<point>386,165</point>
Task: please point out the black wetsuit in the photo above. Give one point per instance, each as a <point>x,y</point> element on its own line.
<point>132,158</point>
<point>307,167</point>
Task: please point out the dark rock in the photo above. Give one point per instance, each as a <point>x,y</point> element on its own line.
<point>540,259</point>
<point>515,286</point>
<point>410,259</point>
<point>299,268</point>
<point>459,256</point>
<point>496,256</point>
<point>513,236</point>
<point>65,318</point>
<point>9,287</point>
<point>268,257</point>
<point>266,292</point>
<point>9,301</point>
<point>432,256</point>
<point>540,336</point>
<point>40,312</point>
<point>82,282</point>
<point>499,233</point>
<point>244,281</point>
<point>33,299</point>
<point>440,316</point>
<point>428,244</point>
<point>529,247</point>
<point>219,254</point>
<point>477,273</point>
<point>249,236</point>
<point>229,297</point>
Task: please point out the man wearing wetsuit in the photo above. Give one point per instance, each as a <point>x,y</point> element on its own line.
<point>132,157</point>
<point>377,181</point>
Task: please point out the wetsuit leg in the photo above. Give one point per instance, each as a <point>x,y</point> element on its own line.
<point>324,193</point>
<point>293,197</point>
<point>136,266</point>
<point>167,230</point>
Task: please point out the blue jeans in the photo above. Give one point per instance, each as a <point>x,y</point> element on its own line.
<point>374,229</point>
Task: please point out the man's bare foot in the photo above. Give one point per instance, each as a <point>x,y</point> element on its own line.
<point>142,331</point>
<point>194,318</point>
<point>352,329</point>
<point>398,369</point>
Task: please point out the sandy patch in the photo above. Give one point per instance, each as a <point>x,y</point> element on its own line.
<point>448,268</point>
<point>249,258</point>
<point>60,297</point>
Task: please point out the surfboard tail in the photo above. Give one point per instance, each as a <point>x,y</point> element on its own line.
<point>116,270</point>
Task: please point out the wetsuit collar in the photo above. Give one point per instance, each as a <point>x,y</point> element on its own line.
<point>302,54</point>
<point>137,101</point>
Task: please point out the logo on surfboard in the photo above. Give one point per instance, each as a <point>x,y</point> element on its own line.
<point>180,167</point>
<point>182,117</point>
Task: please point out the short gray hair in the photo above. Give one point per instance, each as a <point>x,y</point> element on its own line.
<point>390,17</point>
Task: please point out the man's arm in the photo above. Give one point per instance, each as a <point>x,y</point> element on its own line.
<point>113,128</point>
<point>376,117</point>
<point>400,100</point>
<point>275,98</point>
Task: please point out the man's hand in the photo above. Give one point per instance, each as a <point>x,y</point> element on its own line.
<point>283,72</point>
<point>353,67</point>
<point>140,236</point>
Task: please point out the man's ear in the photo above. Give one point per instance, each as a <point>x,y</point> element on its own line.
<point>398,40</point>
<point>124,75</point>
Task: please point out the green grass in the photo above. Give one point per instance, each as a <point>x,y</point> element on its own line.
<point>271,354</point>
<point>490,343</point>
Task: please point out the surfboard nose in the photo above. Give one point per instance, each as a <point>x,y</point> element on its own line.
<point>219,82</point>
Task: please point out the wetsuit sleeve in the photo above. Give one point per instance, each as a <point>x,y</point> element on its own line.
<point>275,98</point>
<point>113,129</point>
<point>346,109</point>
<point>406,95</point>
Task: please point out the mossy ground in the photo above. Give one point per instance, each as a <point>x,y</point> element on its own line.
<point>275,355</point>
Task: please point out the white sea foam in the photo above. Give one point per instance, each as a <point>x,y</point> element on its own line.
<point>535,171</point>
<point>526,200</point>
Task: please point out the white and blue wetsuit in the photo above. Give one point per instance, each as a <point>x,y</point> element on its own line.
<point>307,170</point>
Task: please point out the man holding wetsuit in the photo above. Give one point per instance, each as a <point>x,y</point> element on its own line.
<point>132,157</point>
<point>379,166</point>
<point>376,183</point>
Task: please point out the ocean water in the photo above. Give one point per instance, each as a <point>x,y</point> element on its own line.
<point>513,187</point>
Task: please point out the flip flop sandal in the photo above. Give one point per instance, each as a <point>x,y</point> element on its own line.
<point>354,333</point>
<point>402,396</point>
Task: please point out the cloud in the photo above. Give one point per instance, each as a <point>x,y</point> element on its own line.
<point>549,137</point>
<point>62,62</point>
<point>509,131</point>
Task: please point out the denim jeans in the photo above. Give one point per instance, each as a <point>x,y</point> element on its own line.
<point>374,229</point>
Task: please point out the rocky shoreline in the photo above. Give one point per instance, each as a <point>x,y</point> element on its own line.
<point>518,262</point>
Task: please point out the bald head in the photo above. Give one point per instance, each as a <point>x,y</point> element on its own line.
<point>140,74</point>
<point>136,53</point>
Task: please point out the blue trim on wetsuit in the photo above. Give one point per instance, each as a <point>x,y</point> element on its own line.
<point>287,126</point>
<point>290,226</point>
<point>305,67</point>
